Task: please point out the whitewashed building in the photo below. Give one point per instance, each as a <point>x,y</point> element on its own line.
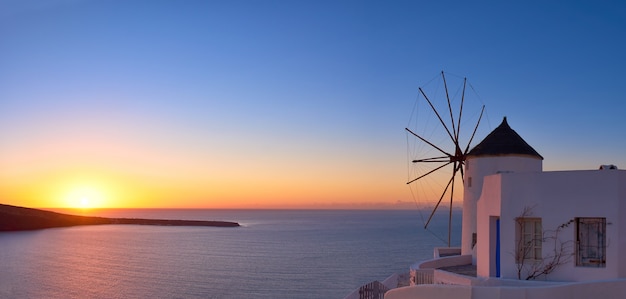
<point>529,233</point>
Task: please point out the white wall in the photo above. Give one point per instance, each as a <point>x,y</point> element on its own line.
<point>556,197</point>
<point>621,228</point>
<point>488,206</point>
<point>430,291</point>
<point>475,170</point>
<point>614,289</point>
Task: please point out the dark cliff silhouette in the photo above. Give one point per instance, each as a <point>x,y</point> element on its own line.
<point>14,218</point>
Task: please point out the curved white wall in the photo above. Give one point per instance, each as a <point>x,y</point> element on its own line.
<point>613,289</point>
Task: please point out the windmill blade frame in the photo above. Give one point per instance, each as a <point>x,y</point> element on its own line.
<point>452,149</point>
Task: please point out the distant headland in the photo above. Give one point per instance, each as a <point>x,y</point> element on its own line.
<point>14,218</point>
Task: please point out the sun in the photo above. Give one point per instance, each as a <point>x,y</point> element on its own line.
<point>85,197</point>
<point>84,202</point>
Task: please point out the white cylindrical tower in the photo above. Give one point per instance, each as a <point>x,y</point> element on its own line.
<point>503,150</point>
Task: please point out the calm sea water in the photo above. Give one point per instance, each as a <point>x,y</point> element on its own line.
<point>275,254</point>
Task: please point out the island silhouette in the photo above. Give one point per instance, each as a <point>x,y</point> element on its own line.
<point>14,218</point>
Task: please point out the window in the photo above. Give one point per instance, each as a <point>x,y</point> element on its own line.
<point>529,238</point>
<point>591,242</point>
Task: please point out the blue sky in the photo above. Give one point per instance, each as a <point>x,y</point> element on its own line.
<point>295,94</point>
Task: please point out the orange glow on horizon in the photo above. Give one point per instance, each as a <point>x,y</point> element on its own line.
<point>143,177</point>
<point>96,187</point>
<point>82,189</point>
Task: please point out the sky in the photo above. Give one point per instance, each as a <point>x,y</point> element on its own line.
<point>286,104</point>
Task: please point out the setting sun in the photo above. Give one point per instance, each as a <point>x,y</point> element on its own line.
<point>84,202</point>
<point>85,197</point>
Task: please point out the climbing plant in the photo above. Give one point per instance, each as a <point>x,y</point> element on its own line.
<point>532,261</point>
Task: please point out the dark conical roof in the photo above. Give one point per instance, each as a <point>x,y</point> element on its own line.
<point>504,141</point>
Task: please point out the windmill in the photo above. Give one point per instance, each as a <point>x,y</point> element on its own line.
<point>442,130</point>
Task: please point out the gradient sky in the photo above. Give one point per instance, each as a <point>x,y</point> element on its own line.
<point>264,104</point>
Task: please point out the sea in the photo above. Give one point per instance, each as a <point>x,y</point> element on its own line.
<point>274,254</point>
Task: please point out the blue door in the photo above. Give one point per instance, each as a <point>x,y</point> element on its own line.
<point>498,247</point>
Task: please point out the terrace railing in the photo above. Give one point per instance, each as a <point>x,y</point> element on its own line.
<point>373,290</point>
<point>422,276</point>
